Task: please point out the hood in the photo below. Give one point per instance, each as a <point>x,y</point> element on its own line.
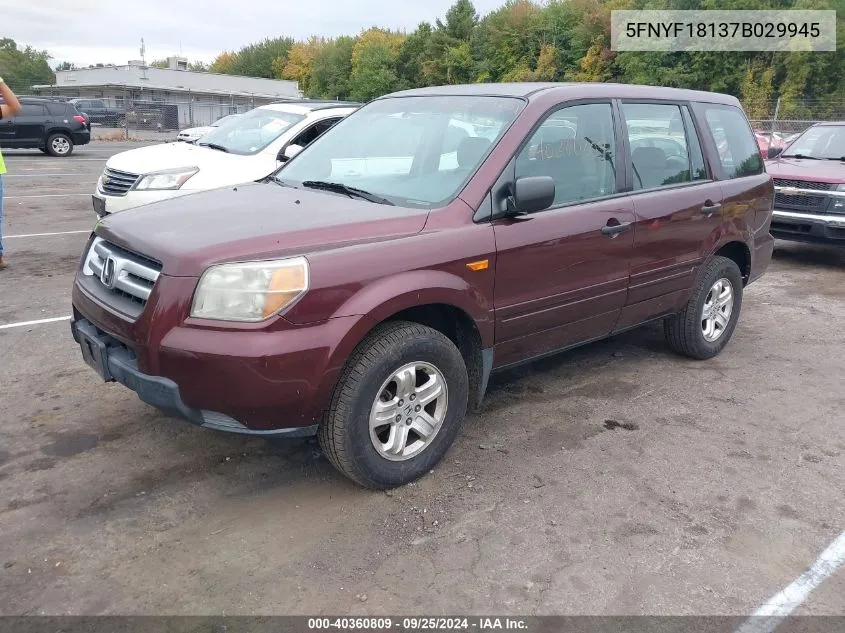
<point>252,222</point>
<point>197,131</point>
<point>832,171</point>
<point>216,168</point>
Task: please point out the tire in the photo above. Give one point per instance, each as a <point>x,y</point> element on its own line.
<point>368,381</point>
<point>687,332</point>
<point>59,145</point>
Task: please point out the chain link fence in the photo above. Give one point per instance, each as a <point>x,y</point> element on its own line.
<point>119,117</point>
<point>785,119</point>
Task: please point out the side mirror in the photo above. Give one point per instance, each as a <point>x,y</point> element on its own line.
<point>771,152</point>
<point>532,193</point>
<point>289,152</point>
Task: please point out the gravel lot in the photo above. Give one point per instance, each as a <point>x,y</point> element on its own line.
<point>615,479</point>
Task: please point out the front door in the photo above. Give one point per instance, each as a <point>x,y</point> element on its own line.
<point>677,205</point>
<point>562,274</point>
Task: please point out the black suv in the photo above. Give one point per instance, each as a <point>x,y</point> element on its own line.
<point>98,112</point>
<point>53,127</point>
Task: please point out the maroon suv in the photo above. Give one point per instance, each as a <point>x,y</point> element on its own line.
<point>809,179</point>
<point>366,292</point>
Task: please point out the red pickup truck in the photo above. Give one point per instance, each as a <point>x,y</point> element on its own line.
<point>367,290</point>
<point>809,178</point>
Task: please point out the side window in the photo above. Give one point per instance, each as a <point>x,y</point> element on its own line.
<point>738,152</point>
<point>576,146</point>
<point>664,147</point>
<point>96,104</point>
<point>32,109</point>
<point>699,171</point>
<point>311,134</point>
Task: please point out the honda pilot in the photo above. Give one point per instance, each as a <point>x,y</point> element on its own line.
<point>368,289</point>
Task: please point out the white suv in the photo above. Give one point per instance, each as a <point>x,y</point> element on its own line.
<point>244,149</point>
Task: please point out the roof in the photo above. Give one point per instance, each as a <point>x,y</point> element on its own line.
<point>138,77</point>
<point>532,89</point>
<point>305,106</point>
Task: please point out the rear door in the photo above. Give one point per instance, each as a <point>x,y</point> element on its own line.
<point>30,125</point>
<point>562,273</point>
<point>677,202</point>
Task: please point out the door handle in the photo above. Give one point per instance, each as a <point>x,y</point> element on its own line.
<point>710,208</point>
<point>615,229</point>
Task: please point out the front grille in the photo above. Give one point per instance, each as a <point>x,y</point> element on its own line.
<point>119,278</point>
<point>803,184</point>
<point>117,183</point>
<point>802,201</point>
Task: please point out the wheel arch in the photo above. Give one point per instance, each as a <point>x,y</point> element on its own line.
<point>445,307</point>
<point>740,254</point>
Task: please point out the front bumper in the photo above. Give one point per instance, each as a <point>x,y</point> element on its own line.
<point>105,205</point>
<point>116,362</point>
<point>806,227</point>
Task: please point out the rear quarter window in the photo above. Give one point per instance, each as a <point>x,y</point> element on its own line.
<point>58,109</point>
<point>736,147</point>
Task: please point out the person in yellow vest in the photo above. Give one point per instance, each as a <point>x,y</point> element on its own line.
<point>9,107</point>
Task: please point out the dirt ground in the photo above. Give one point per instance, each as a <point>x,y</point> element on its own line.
<point>615,479</point>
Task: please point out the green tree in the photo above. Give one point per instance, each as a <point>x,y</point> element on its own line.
<point>412,55</point>
<point>331,70</point>
<point>374,64</point>
<point>253,60</point>
<point>448,56</point>
<point>24,68</point>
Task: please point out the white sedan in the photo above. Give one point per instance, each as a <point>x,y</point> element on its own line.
<point>192,134</point>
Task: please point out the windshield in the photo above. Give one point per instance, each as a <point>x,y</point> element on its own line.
<point>225,119</point>
<point>413,151</point>
<point>251,132</point>
<point>822,141</point>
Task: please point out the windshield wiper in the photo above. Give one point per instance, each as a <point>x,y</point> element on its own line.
<point>798,156</point>
<point>214,146</point>
<point>352,192</point>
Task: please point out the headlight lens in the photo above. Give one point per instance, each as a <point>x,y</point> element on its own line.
<point>169,179</point>
<point>840,187</point>
<point>250,291</point>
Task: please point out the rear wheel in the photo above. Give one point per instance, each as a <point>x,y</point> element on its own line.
<point>397,407</point>
<point>705,325</point>
<point>59,145</point>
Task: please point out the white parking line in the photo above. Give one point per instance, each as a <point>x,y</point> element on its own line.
<point>8,237</point>
<point>767,618</point>
<point>48,195</point>
<point>7,326</point>
<point>40,175</point>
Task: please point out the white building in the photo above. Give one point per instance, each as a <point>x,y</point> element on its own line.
<point>199,98</point>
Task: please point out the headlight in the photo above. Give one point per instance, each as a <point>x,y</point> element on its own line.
<point>250,291</point>
<point>840,188</point>
<point>168,179</point>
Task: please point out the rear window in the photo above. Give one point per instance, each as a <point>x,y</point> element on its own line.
<point>736,146</point>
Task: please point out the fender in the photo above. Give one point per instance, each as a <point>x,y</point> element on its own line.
<point>420,287</point>
<point>406,290</point>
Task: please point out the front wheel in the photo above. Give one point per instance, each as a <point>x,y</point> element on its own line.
<point>705,325</point>
<point>397,407</point>
<point>59,145</point>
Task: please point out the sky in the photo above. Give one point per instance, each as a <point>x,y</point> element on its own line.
<point>109,31</point>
